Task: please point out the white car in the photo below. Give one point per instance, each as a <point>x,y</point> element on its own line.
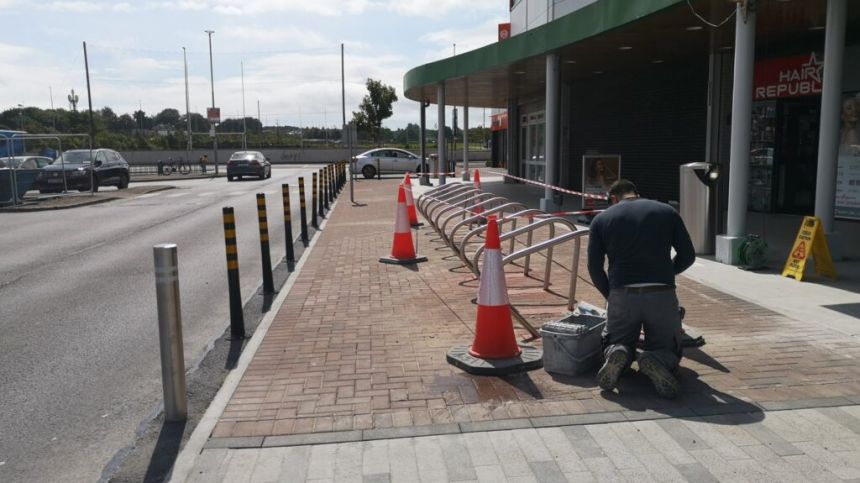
<point>386,160</point>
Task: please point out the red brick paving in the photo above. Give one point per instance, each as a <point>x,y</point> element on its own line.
<point>359,344</point>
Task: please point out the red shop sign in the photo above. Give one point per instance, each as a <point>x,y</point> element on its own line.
<point>795,76</point>
<point>499,122</point>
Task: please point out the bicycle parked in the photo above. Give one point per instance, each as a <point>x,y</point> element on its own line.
<point>170,166</point>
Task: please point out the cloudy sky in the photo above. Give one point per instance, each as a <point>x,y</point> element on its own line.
<point>290,50</point>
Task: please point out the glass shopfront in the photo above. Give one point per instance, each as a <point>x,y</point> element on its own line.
<point>533,145</point>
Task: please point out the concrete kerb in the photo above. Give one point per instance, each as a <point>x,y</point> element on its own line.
<point>200,436</point>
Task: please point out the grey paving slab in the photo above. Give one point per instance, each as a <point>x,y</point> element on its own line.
<point>660,468</point>
<point>806,403</point>
<point>240,465</point>
<point>793,423</point>
<point>312,438</point>
<point>547,472</point>
<point>562,450</point>
<point>612,446</point>
<point>810,469</point>
<point>490,474</point>
<point>603,470</point>
<point>681,434</point>
<point>715,464</point>
<point>348,462</point>
<point>696,473</point>
<point>834,462</point>
<point>679,412</point>
<point>842,417</point>
<point>430,459</point>
<point>268,466</point>
<point>582,442</point>
<point>664,442</point>
<point>531,445</point>
<point>235,443</point>
<point>321,463</point>
<point>377,478</point>
<point>374,458</point>
<point>404,464</point>
<point>500,425</point>
<point>580,477</point>
<point>410,431</point>
<point>826,424</point>
<point>458,461</point>
<point>637,475</point>
<point>294,466</point>
<point>775,466</point>
<point>633,439</point>
<point>510,456</point>
<point>578,419</point>
<point>480,449</point>
<point>208,466</point>
<point>772,440</point>
<point>715,440</point>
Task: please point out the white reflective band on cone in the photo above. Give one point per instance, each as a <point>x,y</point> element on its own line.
<point>409,200</point>
<point>493,291</point>
<point>401,224</point>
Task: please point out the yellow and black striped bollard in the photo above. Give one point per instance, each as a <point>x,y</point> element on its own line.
<point>315,195</point>
<point>303,211</point>
<point>331,188</point>
<point>237,319</point>
<point>324,187</point>
<point>266,256</point>
<point>288,223</point>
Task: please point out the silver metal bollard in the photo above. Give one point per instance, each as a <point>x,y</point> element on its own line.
<point>170,332</point>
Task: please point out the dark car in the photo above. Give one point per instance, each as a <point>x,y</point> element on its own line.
<point>105,167</point>
<point>25,162</point>
<point>248,163</point>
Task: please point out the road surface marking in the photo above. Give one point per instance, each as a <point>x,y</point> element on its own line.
<point>148,195</point>
<point>176,195</point>
<point>207,193</point>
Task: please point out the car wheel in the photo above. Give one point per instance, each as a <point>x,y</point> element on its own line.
<point>229,178</point>
<point>270,173</point>
<point>123,182</point>
<point>239,177</point>
<point>368,171</point>
<point>95,184</point>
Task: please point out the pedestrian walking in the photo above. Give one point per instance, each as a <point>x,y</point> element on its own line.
<point>637,235</point>
<point>204,160</point>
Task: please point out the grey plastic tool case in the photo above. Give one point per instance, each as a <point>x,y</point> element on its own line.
<point>572,345</point>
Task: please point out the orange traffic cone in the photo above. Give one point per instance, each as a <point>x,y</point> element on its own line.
<point>410,203</point>
<point>477,210</point>
<point>494,349</point>
<point>402,250</point>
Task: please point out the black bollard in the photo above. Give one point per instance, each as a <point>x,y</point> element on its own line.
<point>266,256</point>
<point>237,319</point>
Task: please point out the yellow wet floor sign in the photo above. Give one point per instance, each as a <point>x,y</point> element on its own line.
<point>810,241</point>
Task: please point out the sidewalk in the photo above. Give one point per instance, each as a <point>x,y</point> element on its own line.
<point>350,382</point>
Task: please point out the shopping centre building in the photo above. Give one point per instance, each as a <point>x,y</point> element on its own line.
<point>767,91</point>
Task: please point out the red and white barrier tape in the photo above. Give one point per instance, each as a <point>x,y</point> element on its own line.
<point>556,188</point>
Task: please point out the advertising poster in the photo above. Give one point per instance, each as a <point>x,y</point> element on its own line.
<point>599,171</point>
<point>848,170</point>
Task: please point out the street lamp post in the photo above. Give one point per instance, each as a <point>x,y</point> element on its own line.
<point>212,83</point>
<point>20,117</point>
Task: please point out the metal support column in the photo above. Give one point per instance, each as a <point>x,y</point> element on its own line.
<point>442,164</point>
<point>422,142</point>
<point>547,203</point>
<point>466,175</point>
<point>739,157</point>
<point>828,137</point>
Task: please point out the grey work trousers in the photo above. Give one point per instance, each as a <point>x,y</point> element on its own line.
<point>655,312</point>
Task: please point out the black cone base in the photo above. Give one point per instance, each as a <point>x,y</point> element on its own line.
<point>531,358</point>
<point>407,261</point>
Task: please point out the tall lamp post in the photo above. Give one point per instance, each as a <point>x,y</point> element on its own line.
<point>212,83</point>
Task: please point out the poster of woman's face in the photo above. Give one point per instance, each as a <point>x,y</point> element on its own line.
<point>600,172</point>
<point>849,133</point>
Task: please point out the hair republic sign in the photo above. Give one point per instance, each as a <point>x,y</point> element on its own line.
<point>796,76</point>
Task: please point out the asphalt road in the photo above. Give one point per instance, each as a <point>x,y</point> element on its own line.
<point>79,354</point>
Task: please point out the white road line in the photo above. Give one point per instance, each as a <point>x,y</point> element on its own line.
<point>235,193</point>
<point>148,195</point>
<point>177,195</point>
<point>207,193</point>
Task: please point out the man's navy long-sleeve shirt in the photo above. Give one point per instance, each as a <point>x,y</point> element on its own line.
<point>637,235</point>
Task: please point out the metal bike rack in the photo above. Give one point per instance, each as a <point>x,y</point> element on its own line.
<point>439,194</point>
<point>486,204</point>
<point>548,245</point>
<point>529,229</point>
<point>449,197</point>
<point>512,219</point>
<point>462,207</point>
<point>469,221</point>
<point>454,200</point>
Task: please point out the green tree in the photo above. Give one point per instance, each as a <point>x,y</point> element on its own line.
<point>375,108</point>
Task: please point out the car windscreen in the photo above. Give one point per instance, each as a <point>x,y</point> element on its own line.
<point>242,157</point>
<point>73,157</point>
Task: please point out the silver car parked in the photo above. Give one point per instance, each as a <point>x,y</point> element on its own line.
<point>386,160</point>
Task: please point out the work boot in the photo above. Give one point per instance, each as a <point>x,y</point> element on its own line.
<point>665,383</point>
<point>607,376</point>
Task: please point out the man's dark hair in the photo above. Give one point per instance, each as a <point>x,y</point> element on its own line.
<point>622,187</point>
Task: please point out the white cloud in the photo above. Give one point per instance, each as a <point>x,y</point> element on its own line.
<point>438,8</point>
<point>466,39</point>
<point>78,7</point>
<point>286,37</point>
